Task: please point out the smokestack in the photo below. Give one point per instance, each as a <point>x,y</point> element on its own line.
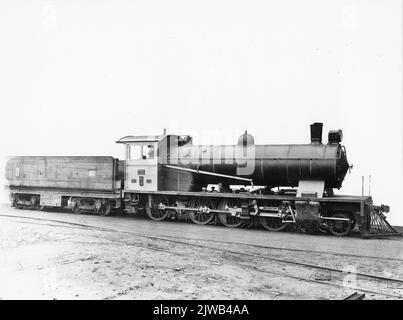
<point>316,132</point>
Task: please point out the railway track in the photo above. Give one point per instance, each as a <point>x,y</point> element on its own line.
<point>188,241</point>
<point>86,226</point>
<point>285,249</point>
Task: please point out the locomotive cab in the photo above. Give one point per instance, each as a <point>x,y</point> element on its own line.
<point>141,165</point>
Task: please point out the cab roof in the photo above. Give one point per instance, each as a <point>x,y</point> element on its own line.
<point>140,139</point>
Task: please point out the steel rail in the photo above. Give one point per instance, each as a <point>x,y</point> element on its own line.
<point>283,260</point>
<point>325,283</point>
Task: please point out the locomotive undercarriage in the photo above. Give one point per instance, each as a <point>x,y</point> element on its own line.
<point>337,215</point>
<point>101,206</point>
<point>273,215</point>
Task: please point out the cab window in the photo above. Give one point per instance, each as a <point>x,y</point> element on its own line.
<point>141,152</point>
<point>148,151</point>
<point>135,152</point>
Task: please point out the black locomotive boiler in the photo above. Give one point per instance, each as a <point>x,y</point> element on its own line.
<point>167,176</point>
<point>264,165</point>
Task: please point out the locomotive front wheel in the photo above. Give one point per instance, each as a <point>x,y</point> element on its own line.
<point>202,216</point>
<point>226,218</point>
<point>154,212</point>
<point>341,228</point>
<point>272,224</point>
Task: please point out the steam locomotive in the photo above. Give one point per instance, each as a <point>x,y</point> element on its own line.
<point>166,176</point>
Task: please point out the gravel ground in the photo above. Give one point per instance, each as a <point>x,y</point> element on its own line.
<point>59,255</point>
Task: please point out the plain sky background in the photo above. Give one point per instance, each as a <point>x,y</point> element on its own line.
<point>75,76</point>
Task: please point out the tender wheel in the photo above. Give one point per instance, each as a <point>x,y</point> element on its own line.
<point>153,212</point>
<point>38,206</point>
<point>341,228</point>
<point>202,216</point>
<point>105,209</point>
<point>272,224</point>
<point>227,219</point>
<point>76,208</point>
